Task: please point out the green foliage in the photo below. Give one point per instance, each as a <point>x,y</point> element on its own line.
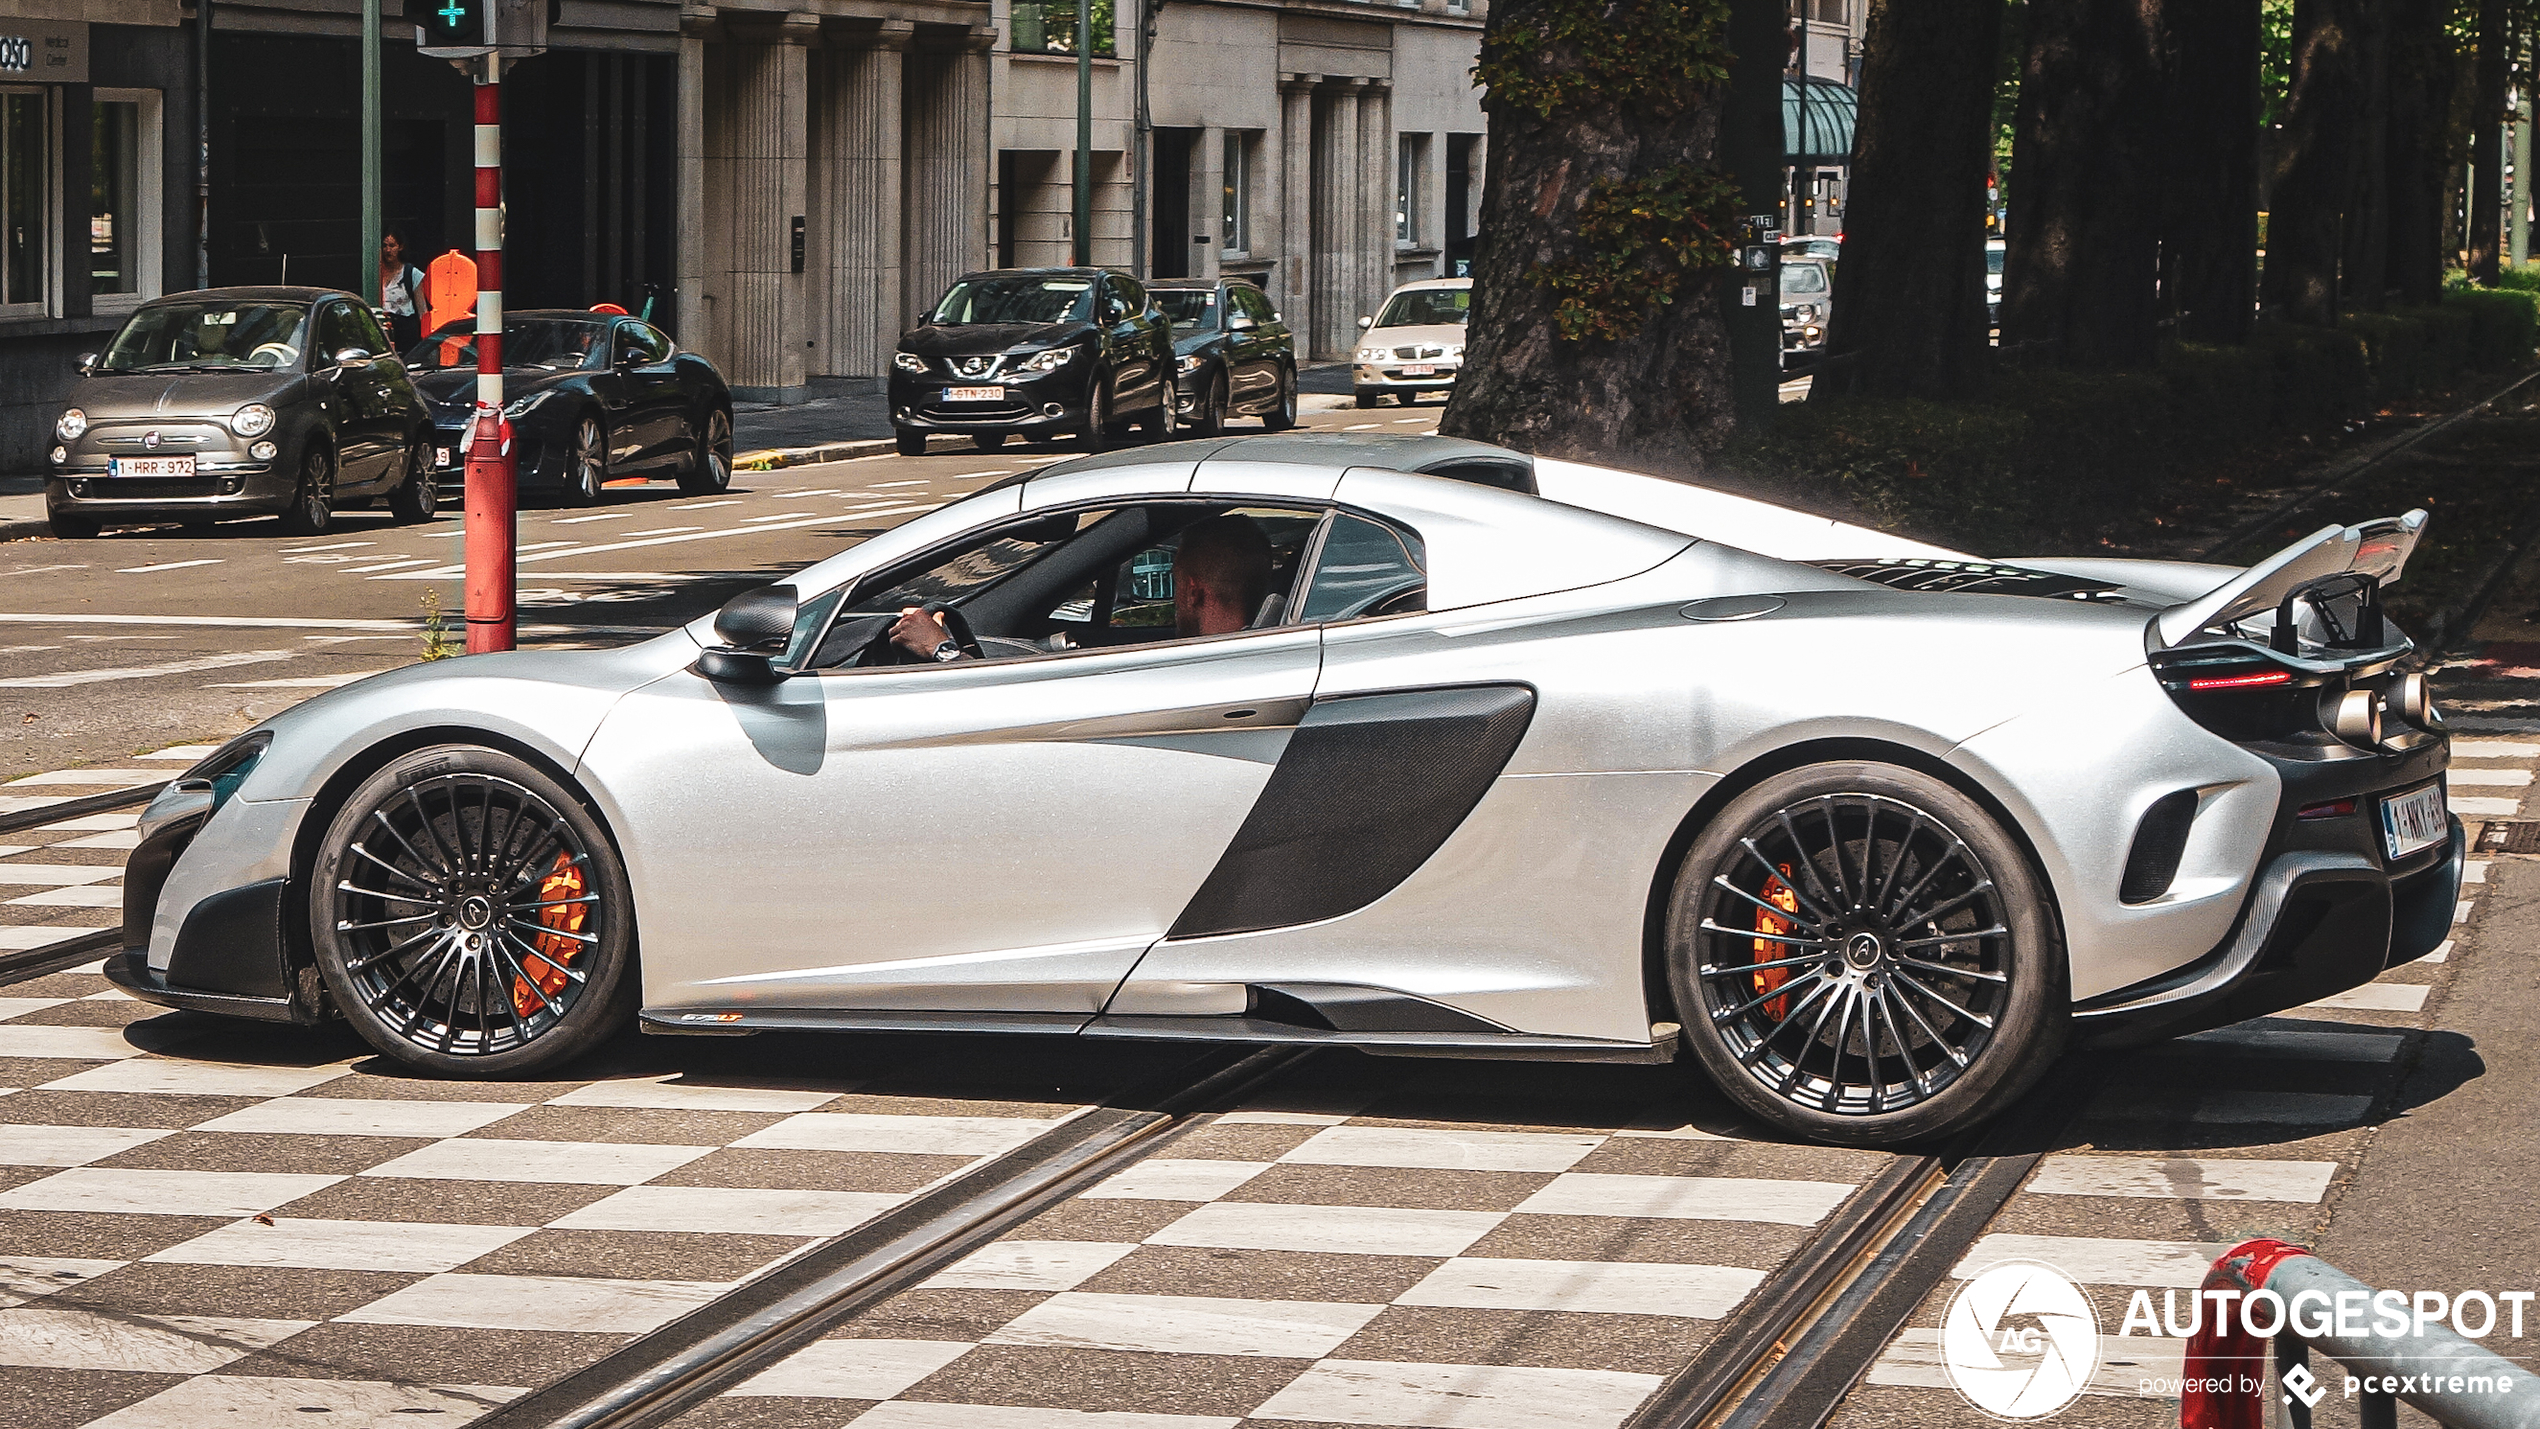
<point>2275,61</point>
<point>437,644</point>
<point>2055,460</point>
<point>1641,237</point>
<point>1652,55</point>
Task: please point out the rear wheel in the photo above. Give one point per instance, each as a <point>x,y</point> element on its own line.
<point>1098,415</point>
<point>419,495</point>
<point>471,918</point>
<point>312,508</point>
<point>1209,419</point>
<point>1282,416</point>
<point>909,443</point>
<point>590,469</point>
<point>710,470</point>
<point>1162,423</point>
<point>1859,953</point>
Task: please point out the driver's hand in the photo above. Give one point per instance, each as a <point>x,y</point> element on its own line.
<point>918,633</point>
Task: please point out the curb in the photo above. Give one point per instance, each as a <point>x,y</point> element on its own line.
<point>778,458</point>
<point>22,530</point>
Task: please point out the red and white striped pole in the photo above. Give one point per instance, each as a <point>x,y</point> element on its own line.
<point>492,505</point>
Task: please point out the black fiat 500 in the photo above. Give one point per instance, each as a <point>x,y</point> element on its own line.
<point>1232,354</point>
<point>1035,352</point>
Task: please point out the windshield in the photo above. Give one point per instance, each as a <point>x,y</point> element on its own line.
<point>1426,307</point>
<point>1187,307</point>
<point>558,344</point>
<point>209,337</point>
<point>1052,299</point>
<point>1803,278</point>
<point>1993,259</point>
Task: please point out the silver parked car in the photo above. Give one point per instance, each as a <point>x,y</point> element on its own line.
<point>1411,745</point>
<point>241,402</point>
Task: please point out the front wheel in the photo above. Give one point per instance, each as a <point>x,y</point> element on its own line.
<point>1860,954</point>
<point>1282,416</point>
<point>417,497</point>
<point>590,469</point>
<point>67,527</point>
<point>1362,397</point>
<point>909,443</point>
<point>470,917</point>
<point>312,508</point>
<point>1098,415</point>
<point>988,441</point>
<point>1210,418</point>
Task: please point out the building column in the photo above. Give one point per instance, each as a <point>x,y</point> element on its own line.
<point>769,100</point>
<point>1433,201</point>
<point>861,105</point>
<point>1377,150</point>
<point>1475,159</point>
<point>1208,201</point>
<point>691,312</point>
<point>945,227</point>
<point>1339,212</point>
<point>1293,287</point>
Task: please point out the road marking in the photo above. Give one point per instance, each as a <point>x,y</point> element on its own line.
<point>1363,427</point>
<point>700,505</point>
<point>144,672</point>
<point>2184,1178</point>
<point>822,491</point>
<point>603,516</point>
<point>39,570</point>
<point>665,530</point>
<point>305,682</point>
<point>965,476</point>
<point>25,649</point>
<point>338,546</point>
<point>170,566</point>
<point>2097,1261</point>
<point>2492,778</point>
<point>1408,421</point>
<point>887,485</point>
<point>388,565</point>
<point>2461,748</point>
<point>779,516</point>
<point>2490,808</point>
<point>2371,997</point>
<point>543,545</point>
<point>85,776</point>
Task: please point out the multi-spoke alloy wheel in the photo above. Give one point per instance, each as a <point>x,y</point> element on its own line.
<point>470,917</point>
<point>1860,954</point>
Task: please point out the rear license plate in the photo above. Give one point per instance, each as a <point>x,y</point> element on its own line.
<point>1419,369</point>
<point>149,466</point>
<point>2414,820</point>
<point>974,394</point>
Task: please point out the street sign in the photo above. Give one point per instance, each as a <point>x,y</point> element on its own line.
<point>472,29</point>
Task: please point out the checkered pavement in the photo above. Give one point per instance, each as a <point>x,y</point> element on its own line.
<point>1404,1260</point>
<point>62,879</point>
<point>2197,1145</point>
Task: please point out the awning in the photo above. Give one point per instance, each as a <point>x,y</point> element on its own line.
<point>1817,120</point>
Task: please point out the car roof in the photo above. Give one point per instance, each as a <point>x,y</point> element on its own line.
<point>272,294</point>
<point>1433,283</point>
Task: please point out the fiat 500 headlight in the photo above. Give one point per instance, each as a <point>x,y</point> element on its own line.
<point>70,424</point>
<point>253,420</point>
<point>1050,361</point>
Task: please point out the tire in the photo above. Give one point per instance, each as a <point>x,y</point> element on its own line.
<point>312,508</point>
<point>1163,422</point>
<point>67,527</point>
<point>1361,397</point>
<point>402,969</point>
<point>910,443</point>
<point>1282,416</point>
<point>988,441</point>
<point>418,497</point>
<point>1212,410</point>
<point>1098,415</point>
<point>590,469</point>
<point>710,470</point>
<point>1916,906</point>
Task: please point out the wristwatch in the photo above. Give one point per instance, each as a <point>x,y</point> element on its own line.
<point>948,652</point>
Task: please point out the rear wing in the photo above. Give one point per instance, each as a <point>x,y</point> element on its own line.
<point>2333,563</point>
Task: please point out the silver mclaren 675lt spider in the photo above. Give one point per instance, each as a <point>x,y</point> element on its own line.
<point>1404,744</point>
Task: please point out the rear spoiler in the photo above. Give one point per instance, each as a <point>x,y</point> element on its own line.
<point>2377,550</point>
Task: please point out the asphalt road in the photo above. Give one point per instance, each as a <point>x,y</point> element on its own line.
<point>142,639</point>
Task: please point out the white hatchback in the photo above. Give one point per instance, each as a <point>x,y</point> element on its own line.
<point>1414,344</point>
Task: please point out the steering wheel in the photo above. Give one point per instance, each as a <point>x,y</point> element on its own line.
<point>883,650</point>
<point>283,353</point>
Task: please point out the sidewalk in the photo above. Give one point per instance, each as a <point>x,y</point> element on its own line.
<point>22,508</point>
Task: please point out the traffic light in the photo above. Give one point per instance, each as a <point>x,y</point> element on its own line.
<point>467,29</point>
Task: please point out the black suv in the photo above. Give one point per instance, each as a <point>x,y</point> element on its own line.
<point>1034,351</point>
<point>1232,355</point>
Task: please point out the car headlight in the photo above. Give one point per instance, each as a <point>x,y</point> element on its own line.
<point>1050,361</point>
<point>1371,354</point>
<point>253,420</point>
<point>1188,365</point>
<point>523,406</point>
<point>201,790</point>
<point>70,424</point>
<point>61,455</point>
<point>908,362</point>
<point>1455,353</point>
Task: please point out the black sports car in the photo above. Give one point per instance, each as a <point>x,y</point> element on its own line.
<point>1034,352</point>
<point>1233,356</point>
<point>592,397</point>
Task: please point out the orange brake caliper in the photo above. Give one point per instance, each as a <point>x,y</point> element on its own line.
<point>563,882</point>
<point>1779,895</point>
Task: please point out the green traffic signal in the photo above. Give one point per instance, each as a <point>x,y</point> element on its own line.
<point>456,24</point>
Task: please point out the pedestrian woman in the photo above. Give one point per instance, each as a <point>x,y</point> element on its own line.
<point>400,290</point>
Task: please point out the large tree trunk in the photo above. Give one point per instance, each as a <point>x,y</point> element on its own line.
<point>1656,399</point>
<point>2316,166</point>
<point>2209,230</point>
<point>2081,278</point>
<point>2421,78</point>
<point>2487,144</point>
<point>2364,262</point>
<point>1909,298</point>
<point>1751,151</point>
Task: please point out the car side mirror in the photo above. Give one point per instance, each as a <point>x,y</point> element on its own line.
<point>1366,322</point>
<point>747,625</point>
<point>1242,322</point>
<point>87,363</point>
<point>350,356</point>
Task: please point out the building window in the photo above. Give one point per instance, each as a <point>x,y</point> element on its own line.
<point>1408,151</point>
<point>1050,28</point>
<point>26,182</point>
<point>1235,212</point>
<point>124,193</point>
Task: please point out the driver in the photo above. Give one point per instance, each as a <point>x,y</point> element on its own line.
<point>1221,572</point>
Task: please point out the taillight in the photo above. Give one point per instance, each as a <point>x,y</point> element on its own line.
<point>2333,809</point>
<point>2241,682</point>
